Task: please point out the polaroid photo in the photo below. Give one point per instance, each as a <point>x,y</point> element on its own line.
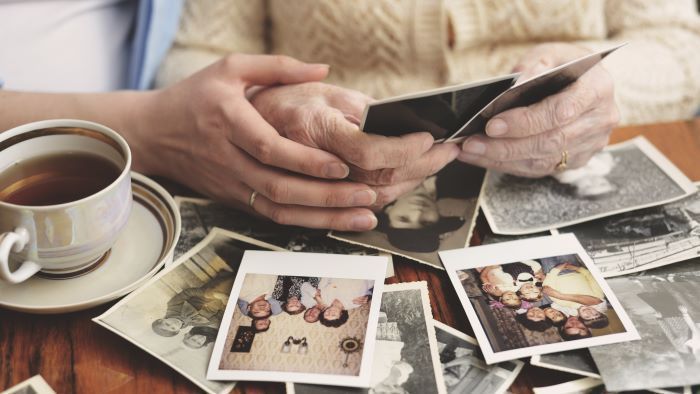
<point>176,315</point>
<point>464,369</point>
<point>535,296</point>
<point>642,239</point>
<point>577,362</point>
<point>199,216</point>
<point>34,385</point>
<point>439,214</point>
<point>623,177</point>
<point>325,335</point>
<point>406,356</point>
<point>665,310</point>
<point>442,112</point>
<point>532,90</point>
<point>579,386</point>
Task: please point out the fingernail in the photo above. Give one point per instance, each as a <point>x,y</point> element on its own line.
<point>363,197</point>
<point>324,65</point>
<point>336,170</point>
<point>474,146</point>
<point>363,222</point>
<point>496,127</point>
<point>429,142</point>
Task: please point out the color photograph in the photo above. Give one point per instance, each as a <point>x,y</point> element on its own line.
<point>317,327</point>
<point>545,296</point>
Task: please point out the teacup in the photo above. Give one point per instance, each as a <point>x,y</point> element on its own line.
<point>65,195</point>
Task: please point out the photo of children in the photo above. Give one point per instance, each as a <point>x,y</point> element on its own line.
<point>537,304</point>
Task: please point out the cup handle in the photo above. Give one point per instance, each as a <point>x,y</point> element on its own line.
<point>15,241</point>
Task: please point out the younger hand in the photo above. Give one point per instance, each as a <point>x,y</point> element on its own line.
<point>214,141</point>
<point>530,141</point>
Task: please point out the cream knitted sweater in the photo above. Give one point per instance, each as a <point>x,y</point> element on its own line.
<point>390,47</point>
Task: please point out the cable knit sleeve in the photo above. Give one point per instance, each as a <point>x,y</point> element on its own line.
<point>210,29</point>
<point>657,76</point>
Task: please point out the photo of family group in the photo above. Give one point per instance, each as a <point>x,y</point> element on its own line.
<point>312,322</point>
<point>536,305</point>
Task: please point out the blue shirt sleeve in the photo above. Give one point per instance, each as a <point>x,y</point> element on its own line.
<point>275,306</point>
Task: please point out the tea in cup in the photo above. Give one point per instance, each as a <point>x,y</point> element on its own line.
<point>65,195</point>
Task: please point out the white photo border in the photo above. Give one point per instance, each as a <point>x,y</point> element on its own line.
<point>304,264</point>
<point>527,249</point>
<point>454,332</point>
<point>537,361</point>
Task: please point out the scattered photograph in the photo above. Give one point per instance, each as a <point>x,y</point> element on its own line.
<point>577,361</point>
<point>34,385</point>
<point>318,327</point>
<point>438,215</point>
<point>535,296</point>
<point>464,369</point>
<point>176,315</point>
<point>406,355</point>
<point>665,310</point>
<point>623,177</point>
<point>643,239</point>
<point>578,386</point>
<point>199,216</point>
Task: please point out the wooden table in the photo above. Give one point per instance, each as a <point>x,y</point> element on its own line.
<point>75,355</point>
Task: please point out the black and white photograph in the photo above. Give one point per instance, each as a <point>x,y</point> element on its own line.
<point>623,177</point>
<point>437,215</point>
<point>577,361</point>
<point>176,315</point>
<point>464,369</point>
<point>665,310</point>
<point>199,216</point>
<point>406,356</point>
<point>34,385</point>
<point>642,239</point>
<point>318,327</point>
<point>535,296</point>
<point>442,112</point>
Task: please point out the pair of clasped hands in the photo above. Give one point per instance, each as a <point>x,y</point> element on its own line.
<point>264,133</point>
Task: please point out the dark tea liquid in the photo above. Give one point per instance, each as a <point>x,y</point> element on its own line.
<point>56,178</point>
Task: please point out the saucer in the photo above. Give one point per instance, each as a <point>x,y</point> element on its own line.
<point>144,246</point>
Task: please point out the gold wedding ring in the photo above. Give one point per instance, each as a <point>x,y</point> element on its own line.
<point>251,200</point>
<point>564,160</point>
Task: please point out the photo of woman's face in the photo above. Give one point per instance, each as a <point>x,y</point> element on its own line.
<point>417,209</point>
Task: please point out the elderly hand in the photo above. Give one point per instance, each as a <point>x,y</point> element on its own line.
<point>204,133</point>
<point>530,141</point>
<point>324,116</point>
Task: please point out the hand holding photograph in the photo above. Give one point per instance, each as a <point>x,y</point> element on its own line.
<point>535,296</point>
<point>176,315</point>
<point>301,317</point>
<point>623,177</point>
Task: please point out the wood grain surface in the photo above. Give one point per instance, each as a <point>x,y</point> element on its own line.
<point>75,355</point>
